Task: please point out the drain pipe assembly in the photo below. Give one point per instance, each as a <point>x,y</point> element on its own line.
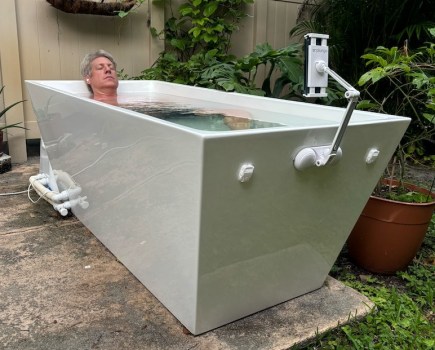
<point>56,186</point>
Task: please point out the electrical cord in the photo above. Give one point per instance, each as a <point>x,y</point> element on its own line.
<point>14,193</point>
<point>28,194</point>
<point>30,188</point>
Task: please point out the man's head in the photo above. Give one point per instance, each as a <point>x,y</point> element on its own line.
<point>99,72</point>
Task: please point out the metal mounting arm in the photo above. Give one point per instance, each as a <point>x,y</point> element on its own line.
<point>316,80</point>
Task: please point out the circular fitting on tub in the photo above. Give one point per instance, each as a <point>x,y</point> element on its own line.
<point>245,173</point>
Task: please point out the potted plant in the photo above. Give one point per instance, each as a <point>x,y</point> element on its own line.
<point>5,127</point>
<point>394,222</point>
<point>392,226</point>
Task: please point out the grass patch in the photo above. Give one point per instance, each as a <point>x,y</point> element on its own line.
<point>404,314</point>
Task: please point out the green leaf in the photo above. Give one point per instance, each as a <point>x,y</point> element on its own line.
<point>172,24</point>
<point>373,75</point>
<point>9,107</point>
<point>210,38</point>
<point>185,10</point>
<point>196,3</point>
<point>196,31</point>
<point>15,125</point>
<point>263,49</point>
<point>291,67</point>
<point>372,58</point>
<point>179,44</point>
<point>199,22</point>
<point>154,32</point>
<point>122,14</point>
<point>211,53</point>
<point>210,8</point>
<point>429,117</point>
<point>419,79</point>
<point>228,86</point>
<point>366,104</point>
<point>219,28</point>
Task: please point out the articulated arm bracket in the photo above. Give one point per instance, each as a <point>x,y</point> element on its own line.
<point>316,63</point>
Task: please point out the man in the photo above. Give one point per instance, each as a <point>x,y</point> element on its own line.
<point>99,72</point>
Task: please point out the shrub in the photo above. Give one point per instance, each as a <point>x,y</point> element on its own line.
<point>402,82</point>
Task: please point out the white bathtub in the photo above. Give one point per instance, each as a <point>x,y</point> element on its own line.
<point>167,200</point>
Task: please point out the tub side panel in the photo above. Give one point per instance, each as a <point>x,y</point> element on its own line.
<point>142,182</point>
<point>277,236</point>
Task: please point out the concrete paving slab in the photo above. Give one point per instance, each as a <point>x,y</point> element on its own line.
<point>62,289</point>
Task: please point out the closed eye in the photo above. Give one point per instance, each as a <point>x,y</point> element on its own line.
<point>102,66</point>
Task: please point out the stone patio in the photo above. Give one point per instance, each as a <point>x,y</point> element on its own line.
<point>62,289</point>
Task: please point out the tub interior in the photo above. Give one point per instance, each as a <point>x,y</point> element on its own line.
<point>157,98</point>
<point>194,113</point>
<point>270,114</point>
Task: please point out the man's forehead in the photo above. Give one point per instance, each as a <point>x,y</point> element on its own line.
<point>101,60</point>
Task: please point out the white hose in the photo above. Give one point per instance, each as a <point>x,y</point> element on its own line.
<point>60,201</point>
<point>38,183</point>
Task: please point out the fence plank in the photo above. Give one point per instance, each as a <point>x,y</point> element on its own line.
<point>11,78</point>
<point>52,44</point>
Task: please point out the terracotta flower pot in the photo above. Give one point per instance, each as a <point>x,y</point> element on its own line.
<point>388,234</point>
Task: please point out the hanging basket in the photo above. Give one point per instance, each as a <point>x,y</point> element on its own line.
<point>89,7</point>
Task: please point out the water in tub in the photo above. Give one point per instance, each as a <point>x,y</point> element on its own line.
<point>195,114</point>
<point>218,119</point>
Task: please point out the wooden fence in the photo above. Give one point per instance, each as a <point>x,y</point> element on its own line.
<point>38,42</point>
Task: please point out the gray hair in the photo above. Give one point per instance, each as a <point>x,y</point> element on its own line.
<point>86,65</point>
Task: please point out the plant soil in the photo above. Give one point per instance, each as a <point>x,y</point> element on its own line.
<point>420,175</point>
<point>415,175</point>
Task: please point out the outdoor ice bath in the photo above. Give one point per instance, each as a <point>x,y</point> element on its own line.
<point>170,202</point>
<point>217,222</point>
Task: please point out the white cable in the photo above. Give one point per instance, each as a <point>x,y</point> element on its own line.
<point>28,194</point>
<point>13,193</point>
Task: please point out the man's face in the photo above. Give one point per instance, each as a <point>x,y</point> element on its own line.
<point>103,75</point>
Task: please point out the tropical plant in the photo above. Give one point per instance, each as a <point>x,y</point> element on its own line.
<point>197,43</point>
<point>402,82</point>
<point>283,78</point>
<point>3,112</point>
<point>202,26</point>
<point>196,37</point>
<point>354,26</point>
